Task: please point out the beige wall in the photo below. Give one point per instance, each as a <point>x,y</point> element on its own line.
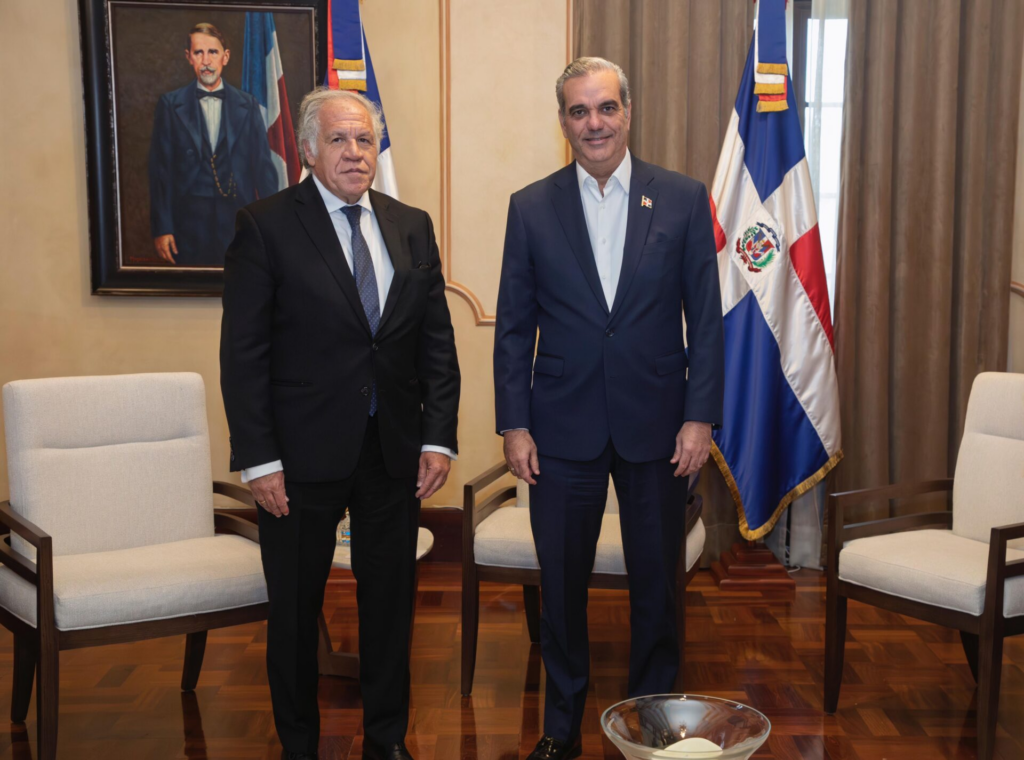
<point>501,124</point>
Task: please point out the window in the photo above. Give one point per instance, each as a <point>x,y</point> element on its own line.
<point>819,44</point>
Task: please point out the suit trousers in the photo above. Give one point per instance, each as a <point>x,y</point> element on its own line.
<point>566,510</point>
<point>297,552</point>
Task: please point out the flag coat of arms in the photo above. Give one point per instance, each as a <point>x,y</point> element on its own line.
<point>350,68</point>
<point>263,78</point>
<point>781,430</point>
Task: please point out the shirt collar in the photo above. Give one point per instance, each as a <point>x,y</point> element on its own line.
<point>218,88</point>
<point>620,175</point>
<point>333,202</point>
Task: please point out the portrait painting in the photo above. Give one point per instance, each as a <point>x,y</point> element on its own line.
<point>191,111</point>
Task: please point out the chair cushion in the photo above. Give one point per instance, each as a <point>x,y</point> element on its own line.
<point>932,566</point>
<point>505,539</point>
<point>145,583</point>
<point>105,463</point>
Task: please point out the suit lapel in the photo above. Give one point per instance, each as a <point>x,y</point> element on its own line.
<point>398,251</point>
<point>232,111</point>
<point>638,222</point>
<point>188,111</point>
<point>569,208</point>
<point>314,217</point>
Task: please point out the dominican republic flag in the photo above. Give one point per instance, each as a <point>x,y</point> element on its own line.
<point>780,433</point>
<point>349,68</point>
<point>263,78</point>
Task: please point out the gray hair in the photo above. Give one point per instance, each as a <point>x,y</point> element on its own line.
<point>585,66</point>
<point>309,118</point>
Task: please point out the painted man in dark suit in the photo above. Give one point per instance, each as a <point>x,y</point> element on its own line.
<point>208,157</point>
<point>604,257</point>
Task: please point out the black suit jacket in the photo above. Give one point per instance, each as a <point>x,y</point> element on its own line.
<point>617,370</point>
<point>297,358</point>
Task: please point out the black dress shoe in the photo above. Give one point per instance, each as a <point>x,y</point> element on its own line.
<point>549,748</point>
<point>374,751</point>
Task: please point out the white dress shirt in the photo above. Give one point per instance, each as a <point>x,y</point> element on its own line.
<point>606,224</point>
<point>383,270</point>
<point>606,221</point>
<point>212,108</point>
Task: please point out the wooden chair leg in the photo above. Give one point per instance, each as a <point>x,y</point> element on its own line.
<point>47,692</point>
<point>22,678</point>
<point>531,600</point>
<point>970,644</point>
<point>990,667</point>
<point>835,646</point>
<point>470,624</point>
<point>195,648</point>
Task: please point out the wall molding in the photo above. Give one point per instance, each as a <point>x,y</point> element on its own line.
<point>480,315</point>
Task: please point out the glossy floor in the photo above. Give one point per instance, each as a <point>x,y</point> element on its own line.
<point>907,691</point>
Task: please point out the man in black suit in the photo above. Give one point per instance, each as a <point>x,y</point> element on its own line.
<point>208,157</point>
<point>604,257</point>
<point>341,386</point>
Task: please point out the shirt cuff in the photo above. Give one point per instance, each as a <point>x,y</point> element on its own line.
<point>251,473</point>
<point>506,431</point>
<point>440,450</point>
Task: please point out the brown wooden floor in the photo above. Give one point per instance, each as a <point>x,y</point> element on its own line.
<point>907,691</point>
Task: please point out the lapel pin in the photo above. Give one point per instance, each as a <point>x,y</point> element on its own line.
<point>646,202</point>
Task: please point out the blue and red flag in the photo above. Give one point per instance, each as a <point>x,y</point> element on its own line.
<point>350,68</point>
<point>263,78</point>
<point>781,431</point>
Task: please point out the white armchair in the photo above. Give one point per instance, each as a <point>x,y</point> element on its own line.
<point>113,536</point>
<point>497,546</point>
<point>962,569</point>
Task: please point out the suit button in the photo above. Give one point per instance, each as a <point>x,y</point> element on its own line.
<point>365,391</point>
<point>609,334</point>
<point>375,346</point>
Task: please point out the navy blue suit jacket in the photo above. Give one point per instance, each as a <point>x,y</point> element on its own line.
<point>621,370</point>
<point>176,151</point>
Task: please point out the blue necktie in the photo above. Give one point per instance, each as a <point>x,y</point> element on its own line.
<point>366,281</point>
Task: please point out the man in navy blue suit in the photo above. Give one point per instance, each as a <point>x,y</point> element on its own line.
<point>208,157</point>
<point>604,257</point>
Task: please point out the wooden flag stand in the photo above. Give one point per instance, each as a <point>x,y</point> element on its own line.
<point>751,566</point>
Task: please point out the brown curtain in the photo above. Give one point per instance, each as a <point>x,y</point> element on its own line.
<point>684,60</point>
<point>925,230</point>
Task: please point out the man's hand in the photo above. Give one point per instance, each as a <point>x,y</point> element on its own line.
<point>434,467</point>
<point>164,246</point>
<point>521,455</point>
<point>693,444</point>
<point>269,493</point>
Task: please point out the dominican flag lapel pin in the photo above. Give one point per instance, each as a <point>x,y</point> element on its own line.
<point>646,202</point>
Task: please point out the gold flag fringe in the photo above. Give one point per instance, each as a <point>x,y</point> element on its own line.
<point>800,490</point>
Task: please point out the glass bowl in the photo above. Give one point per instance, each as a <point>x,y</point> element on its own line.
<point>671,727</point>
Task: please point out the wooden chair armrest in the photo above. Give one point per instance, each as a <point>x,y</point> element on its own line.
<point>997,553</point>
<point>20,565</point>
<point>481,481</point>
<point>233,524</point>
<point>18,524</point>
<point>1008,532</point>
<point>693,484</point>
<point>236,492</point>
<point>837,502</point>
<point>39,574</point>
<point>472,513</point>
<point>694,508</point>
